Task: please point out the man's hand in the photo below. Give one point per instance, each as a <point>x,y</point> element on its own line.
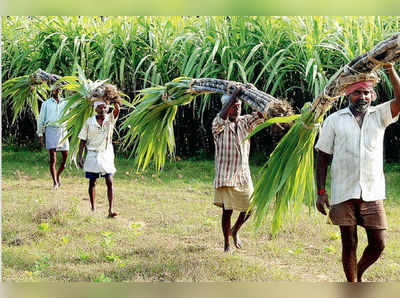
<point>322,201</point>
<point>41,142</point>
<point>388,66</point>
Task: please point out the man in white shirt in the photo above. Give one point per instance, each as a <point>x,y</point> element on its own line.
<point>96,137</point>
<point>50,112</point>
<point>352,138</point>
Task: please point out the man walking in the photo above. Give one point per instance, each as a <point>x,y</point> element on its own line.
<point>96,137</point>
<point>50,112</point>
<point>233,184</point>
<point>353,139</point>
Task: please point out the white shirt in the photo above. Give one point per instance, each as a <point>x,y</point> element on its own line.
<point>357,164</point>
<point>50,111</point>
<point>100,152</point>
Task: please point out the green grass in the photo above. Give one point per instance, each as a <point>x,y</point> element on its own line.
<point>167,230</point>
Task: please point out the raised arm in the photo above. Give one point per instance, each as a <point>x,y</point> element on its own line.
<point>227,108</point>
<point>395,80</point>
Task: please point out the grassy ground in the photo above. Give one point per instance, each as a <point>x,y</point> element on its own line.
<point>167,230</point>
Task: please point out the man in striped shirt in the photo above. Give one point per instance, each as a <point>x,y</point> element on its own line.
<point>233,184</point>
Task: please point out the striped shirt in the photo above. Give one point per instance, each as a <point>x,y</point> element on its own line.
<point>231,152</point>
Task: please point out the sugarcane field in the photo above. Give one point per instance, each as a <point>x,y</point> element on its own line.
<point>198,149</point>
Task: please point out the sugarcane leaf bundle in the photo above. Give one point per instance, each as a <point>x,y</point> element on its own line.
<point>149,127</point>
<point>287,179</point>
<point>79,105</point>
<point>24,91</point>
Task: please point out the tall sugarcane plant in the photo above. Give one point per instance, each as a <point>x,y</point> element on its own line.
<point>149,127</point>
<point>287,178</point>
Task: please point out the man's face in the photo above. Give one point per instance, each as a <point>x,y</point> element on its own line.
<point>55,92</point>
<point>360,99</point>
<point>236,110</point>
<point>101,109</point>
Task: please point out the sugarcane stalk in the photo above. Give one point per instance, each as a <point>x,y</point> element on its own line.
<point>360,68</point>
<point>288,176</point>
<point>155,110</point>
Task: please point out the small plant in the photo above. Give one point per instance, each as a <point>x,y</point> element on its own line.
<point>44,227</point>
<point>65,239</point>
<point>42,264</point>
<point>334,236</point>
<point>329,249</point>
<point>113,258</point>
<point>107,241</point>
<point>83,256</point>
<point>103,278</point>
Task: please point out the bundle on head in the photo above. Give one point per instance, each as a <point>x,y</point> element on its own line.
<point>149,127</point>
<point>79,105</point>
<point>26,91</point>
<point>287,179</point>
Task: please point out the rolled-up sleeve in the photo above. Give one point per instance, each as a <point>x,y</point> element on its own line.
<point>253,120</point>
<point>326,137</point>
<point>219,125</point>
<point>386,114</point>
<point>83,134</point>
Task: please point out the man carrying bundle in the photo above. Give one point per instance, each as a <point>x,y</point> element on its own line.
<point>50,112</point>
<point>233,184</point>
<point>96,136</point>
<point>353,139</point>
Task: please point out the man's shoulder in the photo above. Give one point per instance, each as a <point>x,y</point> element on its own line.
<point>337,114</point>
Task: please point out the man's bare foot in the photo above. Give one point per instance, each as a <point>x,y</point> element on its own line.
<point>55,186</point>
<point>236,240</point>
<point>112,214</point>
<point>227,248</point>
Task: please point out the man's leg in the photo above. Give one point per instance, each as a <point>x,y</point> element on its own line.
<point>62,166</point>
<point>376,244</point>
<point>110,195</point>
<point>235,229</point>
<point>52,164</point>
<point>92,191</point>
<point>226,227</point>
<point>349,251</point>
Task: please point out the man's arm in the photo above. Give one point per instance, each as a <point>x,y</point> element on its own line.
<point>227,108</point>
<point>40,124</point>
<point>82,146</point>
<point>323,160</point>
<point>395,80</point>
<point>116,110</point>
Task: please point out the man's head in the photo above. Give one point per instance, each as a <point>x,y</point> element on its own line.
<point>100,107</point>
<point>235,110</point>
<point>55,91</point>
<point>360,95</point>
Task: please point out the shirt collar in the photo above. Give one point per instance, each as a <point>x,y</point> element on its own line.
<point>347,111</point>
<point>53,100</point>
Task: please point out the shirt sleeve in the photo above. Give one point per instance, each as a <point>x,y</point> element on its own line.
<point>385,112</point>
<point>326,136</point>
<point>219,125</point>
<point>41,121</point>
<point>253,120</point>
<point>83,134</point>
